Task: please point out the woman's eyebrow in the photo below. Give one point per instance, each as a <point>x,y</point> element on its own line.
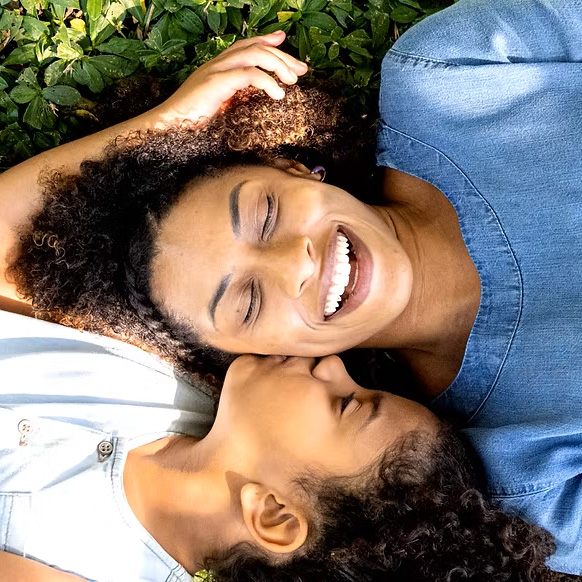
<point>217,297</point>
<point>233,207</point>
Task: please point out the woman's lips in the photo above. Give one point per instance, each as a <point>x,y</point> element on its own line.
<point>360,277</point>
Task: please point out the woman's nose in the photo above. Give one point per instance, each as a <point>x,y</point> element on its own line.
<point>291,265</point>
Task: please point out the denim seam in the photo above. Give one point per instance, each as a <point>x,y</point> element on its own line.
<point>525,494</point>
<point>502,230</point>
<point>419,58</point>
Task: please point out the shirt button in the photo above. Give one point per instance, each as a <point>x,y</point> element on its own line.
<point>104,450</point>
<point>24,428</point>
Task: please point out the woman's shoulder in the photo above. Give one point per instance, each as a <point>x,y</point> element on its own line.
<point>481,32</point>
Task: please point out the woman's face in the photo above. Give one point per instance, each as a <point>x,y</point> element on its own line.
<point>267,261</point>
<point>289,415</point>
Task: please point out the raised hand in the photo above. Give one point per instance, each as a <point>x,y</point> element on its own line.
<point>244,64</point>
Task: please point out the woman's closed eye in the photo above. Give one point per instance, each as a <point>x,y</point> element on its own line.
<point>271,215</point>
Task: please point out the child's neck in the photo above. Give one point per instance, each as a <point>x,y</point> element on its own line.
<point>179,499</point>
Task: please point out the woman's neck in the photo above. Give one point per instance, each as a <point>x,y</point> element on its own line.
<point>180,498</point>
<point>432,332</point>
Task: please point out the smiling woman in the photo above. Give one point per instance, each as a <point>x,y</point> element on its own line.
<point>278,243</point>
<point>121,248</point>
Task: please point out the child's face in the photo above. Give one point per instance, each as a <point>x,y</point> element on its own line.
<point>292,415</point>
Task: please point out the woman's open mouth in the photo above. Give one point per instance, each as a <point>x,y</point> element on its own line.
<point>347,263</point>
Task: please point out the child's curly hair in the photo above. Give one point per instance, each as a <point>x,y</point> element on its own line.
<point>415,516</point>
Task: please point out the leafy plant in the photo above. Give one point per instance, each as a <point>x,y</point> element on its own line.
<point>57,56</point>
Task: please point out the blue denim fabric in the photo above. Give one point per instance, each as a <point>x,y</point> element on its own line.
<point>484,101</point>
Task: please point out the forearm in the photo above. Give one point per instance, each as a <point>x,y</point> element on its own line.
<point>20,191</point>
<point>18,569</point>
<point>199,98</point>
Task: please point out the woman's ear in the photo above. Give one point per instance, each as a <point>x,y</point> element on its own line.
<point>294,168</point>
<point>273,523</point>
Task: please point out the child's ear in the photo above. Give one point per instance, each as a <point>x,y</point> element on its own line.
<point>273,523</point>
<point>294,168</point>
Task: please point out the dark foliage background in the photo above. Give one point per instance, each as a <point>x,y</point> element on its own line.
<point>69,67</point>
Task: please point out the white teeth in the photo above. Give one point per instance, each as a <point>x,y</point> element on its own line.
<point>340,276</point>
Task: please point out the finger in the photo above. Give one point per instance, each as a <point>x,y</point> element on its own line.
<point>297,66</point>
<point>254,77</point>
<point>258,56</point>
<point>271,39</point>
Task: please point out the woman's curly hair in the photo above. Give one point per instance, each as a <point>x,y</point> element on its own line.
<point>417,517</point>
<point>84,260</point>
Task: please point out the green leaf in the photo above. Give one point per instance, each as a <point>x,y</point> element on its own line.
<point>54,72</point>
<point>17,139</point>
<point>356,42</point>
<point>343,4</point>
<point>304,46</point>
<point>235,18</point>
<point>47,139</point>
<point>337,33</point>
<point>3,84</point>
<point>190,21</point>
<point>61,95</point>
<point>35,28</point>
<point>258,10</point>
<point>66,4</point>
<point>362,76</point>
<point>23,94</point>
<point>172,6</point>
<point>154,40</point>
<point>333,52</point>
<point>313,5</point>
<point>113,66</point>
<point>213,18</point>
<point>319,36</point>
<point>341,16</point>
<point>404,15</point>
<point>80,75</point>
<point>28,77</point>
<point>286,26</point>
<point>412,3</point>
<point>173,48</point>
<point>122,47</point>
<point>28,5</point>
<point>21,55</point>
<point>96,83</point>
<point>238,3</point>
<point>317,53</point>
<point>285,15</point>
<point>70,52</point>
<point>175,30</point>
<point>318,20</point>
<point>38,114</point>
<point>94,9</point>
<point>380,26</point>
